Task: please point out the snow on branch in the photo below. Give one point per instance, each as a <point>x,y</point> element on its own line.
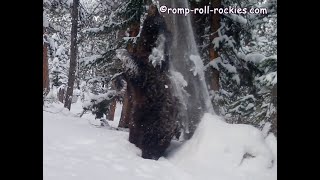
<point>89,60</point>
<point>127,62</point>
<point>96,99</point>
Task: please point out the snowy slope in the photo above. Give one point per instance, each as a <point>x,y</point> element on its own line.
<point>74,149</point>
<point>217,150</point>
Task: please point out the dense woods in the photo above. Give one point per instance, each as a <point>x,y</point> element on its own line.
<point>164,75</point>
<point>134,90</point>
<point>238,52</point>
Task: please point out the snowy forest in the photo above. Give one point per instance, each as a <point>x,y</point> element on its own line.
<point>160,89</point>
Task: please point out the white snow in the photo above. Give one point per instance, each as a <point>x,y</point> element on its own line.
<point>60,50</point>
<point>214,63</point>
<point>99,98</point>
<point>127,63</point>
<point>238,18</point>
<point>157,55</point>
<point>236,78</point>
<point>45,20</point>
<point>74,149</point>
<point>198,66</point>
<point>89,59</point>
<point>69,3</point>
<point>178,85</point>
<point>179,79</point>
<point>217,151</point>
<point>256,58</point>
<point>94,30</point>
<point>250,96</point>
<point>223,39</point>
<point>230,68</point>
<point>266,129</point>
<point>270,78</point>
<point>117,116</point>
<point>116,75</point>
<point>249,106</point>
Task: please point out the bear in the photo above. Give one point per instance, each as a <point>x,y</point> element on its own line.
<point>153,116</point>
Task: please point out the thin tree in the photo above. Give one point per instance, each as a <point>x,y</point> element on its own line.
<point>46,87</point>
<point>215,25</point>
<point>73,54</point>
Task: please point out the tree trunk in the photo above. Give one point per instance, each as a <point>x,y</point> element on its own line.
<point>274,116</point>
<point>61,94</point>
<point>112,110</point>
<point>112,106</point>
<point>215,25</point>
<point>133,32</point>
<point>127,104</point>
<point>73,55</point>
<point>126,110</point>
<point>45,68</point>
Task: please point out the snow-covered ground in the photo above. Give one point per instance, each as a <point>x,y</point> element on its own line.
<point>73,148</point>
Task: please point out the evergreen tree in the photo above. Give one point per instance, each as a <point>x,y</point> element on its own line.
<point>247,64</point>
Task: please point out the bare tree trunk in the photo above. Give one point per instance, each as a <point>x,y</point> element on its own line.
<point>61,95</point>
<point>73,55</point>
<point>112,106</point>
<point>127,104</point>
<point>45,68</point>
<point>112,109</point>
<point>126,109</point>
<point>274,118</point>
<point>215,25</point>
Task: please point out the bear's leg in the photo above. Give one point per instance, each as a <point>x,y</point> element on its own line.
<point>135,129</point>
<point>153,146</point>
<point>154,152</point>
<point>133,135</point>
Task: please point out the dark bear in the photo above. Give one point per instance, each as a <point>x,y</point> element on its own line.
<point>153,122</point>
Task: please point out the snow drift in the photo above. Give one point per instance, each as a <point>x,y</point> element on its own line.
<point>228,151</point>
<point>75,149</point>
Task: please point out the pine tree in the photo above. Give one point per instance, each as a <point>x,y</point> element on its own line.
<point>73,55</point>
<point>247,65</point>
<point>236,49</point>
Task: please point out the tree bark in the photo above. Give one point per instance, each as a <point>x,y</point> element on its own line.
<point>112,110</point>
<point>215,25</point>
<point>112,106</point>
<point>126,110</point>
<point>274,119</point>
<point>73,55</point>
<point>45,68</point>
<point>127,104</point>
<point>61,95</point>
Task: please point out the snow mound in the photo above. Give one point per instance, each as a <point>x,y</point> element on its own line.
<point>228,151</point>
<point>74,149</point>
